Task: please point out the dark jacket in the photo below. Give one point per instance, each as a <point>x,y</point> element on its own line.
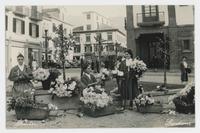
<point>85,80</point>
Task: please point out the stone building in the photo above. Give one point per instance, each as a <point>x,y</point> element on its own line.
<point>147,24</point>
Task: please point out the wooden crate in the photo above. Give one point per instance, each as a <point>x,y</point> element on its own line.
<point>99,112</point>
<point>155,108</point>
<point>31,113</point>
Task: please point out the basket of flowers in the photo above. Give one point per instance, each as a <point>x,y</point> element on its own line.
<point>63,88</point>
<point>96,102</point>
<point>184,100</point>
<point>146,104</point>
<point>26,108</point>
<point>42,75</point>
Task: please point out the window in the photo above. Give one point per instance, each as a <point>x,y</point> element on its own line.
<point>186,44</point>
<point>18,26</point>
<point>54,27</point>
<point>88,48</point>
<point>6,22</point>
<point>88,27</point>
<point>150,10</point>
<point>77,38</point>
<point>77,49</point>
<point>88,16</point>
<point>97,25</point>
<point>111,47</point>
<point>97,18</point>
<point>87,37</point>
<point>33,30</point>
<point>109,35</point>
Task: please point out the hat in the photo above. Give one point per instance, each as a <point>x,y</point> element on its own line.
<point>20,55</point>
<point>129,51</point>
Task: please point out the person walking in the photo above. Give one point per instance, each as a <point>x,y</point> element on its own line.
<point>129,82</point>
<point>21,75</point>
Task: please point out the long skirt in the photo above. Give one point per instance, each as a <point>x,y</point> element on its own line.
<point>129,89</point>
<point>184,76</point>
<point>19,88</point>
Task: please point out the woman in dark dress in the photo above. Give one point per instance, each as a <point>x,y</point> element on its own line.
<point>183,68</point>
<point>129,82</point>
<point>21,75</point>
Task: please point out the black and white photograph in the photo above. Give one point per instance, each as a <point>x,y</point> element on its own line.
<point>99,66</point>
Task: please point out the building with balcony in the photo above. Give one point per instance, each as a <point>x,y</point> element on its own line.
<point>52,18</point>
<point>23,34</point>
<point>146,24</point>
<point>113,41</point>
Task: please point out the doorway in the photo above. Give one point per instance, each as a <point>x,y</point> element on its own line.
<point>149,50</point>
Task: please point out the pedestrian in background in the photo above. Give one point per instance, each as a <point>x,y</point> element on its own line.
<point>184,70</point>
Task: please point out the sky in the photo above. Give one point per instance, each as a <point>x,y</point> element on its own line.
<point>115,13</point>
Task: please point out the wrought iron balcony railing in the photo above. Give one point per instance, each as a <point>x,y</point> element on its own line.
<point>35,15</point>
<point>151,19</point>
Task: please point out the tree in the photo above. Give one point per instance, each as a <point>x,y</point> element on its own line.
<point>62,44</point>
<point>165,52</point>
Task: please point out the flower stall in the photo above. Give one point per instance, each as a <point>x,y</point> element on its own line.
<point>96,102</point>
<point>46,76</point>
<point>147,104</point>
<point>185,99</point>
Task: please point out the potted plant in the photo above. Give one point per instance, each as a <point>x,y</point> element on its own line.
<point>96,102</point>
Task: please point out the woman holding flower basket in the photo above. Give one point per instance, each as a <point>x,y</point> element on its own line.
<point>129,82</point>
<point>21,75</point>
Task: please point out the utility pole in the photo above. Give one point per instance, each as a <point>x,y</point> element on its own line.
<point>62,50</point>
<point>46,47</point>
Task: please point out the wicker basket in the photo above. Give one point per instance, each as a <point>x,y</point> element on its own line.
<point>155,108</point>
<point>183,107</point>
<point>99,112</point>
<point>31,113</point>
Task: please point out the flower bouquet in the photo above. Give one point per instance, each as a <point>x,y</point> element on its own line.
<point>139,66</point>
<point>146,104</point>
<point>184,100</point>
<point>96,102</point>
<point>63,88</point>
<point>105,74</point>
<point>26,108</point>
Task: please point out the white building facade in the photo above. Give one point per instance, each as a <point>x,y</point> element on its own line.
<point>23,34</point>
<point>94,24</point>
<point>52,18</point>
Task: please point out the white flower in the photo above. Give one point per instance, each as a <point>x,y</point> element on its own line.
<point>120,73</point>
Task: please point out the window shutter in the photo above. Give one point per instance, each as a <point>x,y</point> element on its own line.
<point>14,25</point>
<point>37,30</point>
<point>30,29</point>
<point>23,27</point>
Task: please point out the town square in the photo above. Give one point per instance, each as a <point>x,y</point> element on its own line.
<point>86,67</point>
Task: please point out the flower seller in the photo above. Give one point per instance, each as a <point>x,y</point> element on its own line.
<point>21,75</point>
